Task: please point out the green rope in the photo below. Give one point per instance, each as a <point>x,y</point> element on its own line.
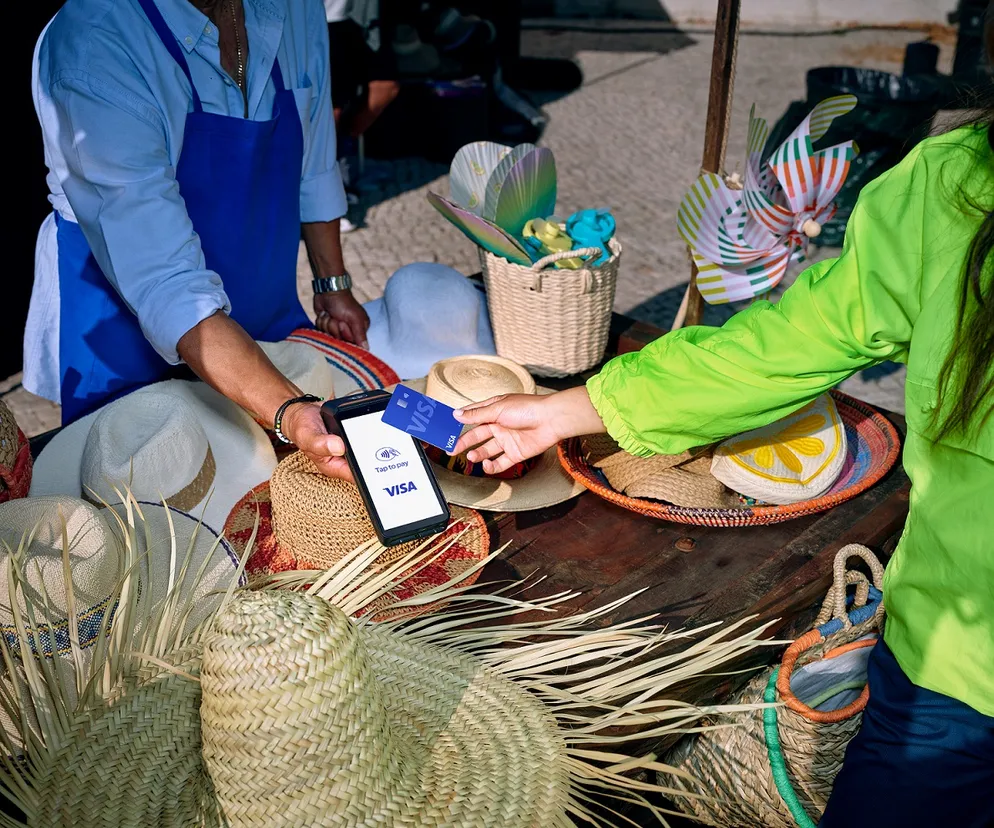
<point>777,764</point>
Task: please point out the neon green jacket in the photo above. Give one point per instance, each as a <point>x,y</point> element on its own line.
<point>891,295</point>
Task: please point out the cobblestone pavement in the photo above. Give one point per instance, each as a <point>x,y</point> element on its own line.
<point>630,139</point>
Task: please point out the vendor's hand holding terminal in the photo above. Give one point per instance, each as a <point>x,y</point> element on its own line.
<point>303,426</point>
<point>515,427</point>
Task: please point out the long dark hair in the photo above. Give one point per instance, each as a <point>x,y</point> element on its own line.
<point>966,380</point>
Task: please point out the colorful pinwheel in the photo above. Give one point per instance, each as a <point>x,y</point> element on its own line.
<point>742,239</point>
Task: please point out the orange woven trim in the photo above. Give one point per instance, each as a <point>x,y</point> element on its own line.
<point>805,642</point>
<point>572,459</point>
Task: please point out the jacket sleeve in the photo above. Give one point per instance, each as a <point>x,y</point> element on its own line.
<point>699,385</point>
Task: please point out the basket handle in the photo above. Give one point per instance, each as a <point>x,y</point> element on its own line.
<point>835,600</point>
<point>552,258</point>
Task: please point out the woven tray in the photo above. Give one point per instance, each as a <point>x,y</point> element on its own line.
<point>873,448</point>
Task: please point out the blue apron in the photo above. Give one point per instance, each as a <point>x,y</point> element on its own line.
<point>240,180</point>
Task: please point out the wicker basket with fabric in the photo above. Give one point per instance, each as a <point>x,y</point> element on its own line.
<point>776,766</point>
<point>554,322</point>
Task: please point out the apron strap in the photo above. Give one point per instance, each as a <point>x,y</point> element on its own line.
<point>169,41</point>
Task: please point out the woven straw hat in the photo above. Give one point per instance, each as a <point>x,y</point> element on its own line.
<point>305,715</point>
<point>33,530</point>
<point>304,366</point>
<point>183,442</point>
<point>15,458</point>
<point>797,458</point>
<point>681,479</point>
<point>307,520</point>
<point>352,368</point>
<point>539,483</point>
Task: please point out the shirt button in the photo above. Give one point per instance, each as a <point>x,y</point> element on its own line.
<point>188,40</point>
<point>207,30</point>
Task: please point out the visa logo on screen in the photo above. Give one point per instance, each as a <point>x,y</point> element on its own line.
<point>400,488</point>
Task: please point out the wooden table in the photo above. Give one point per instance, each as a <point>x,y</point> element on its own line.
<point>691,575</point>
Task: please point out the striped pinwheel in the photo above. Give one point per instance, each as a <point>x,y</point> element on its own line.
<point>743,234</point>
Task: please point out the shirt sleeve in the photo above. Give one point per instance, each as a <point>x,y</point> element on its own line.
<point>123,192</point>
<point>322,193</point>
<point>699,385</point>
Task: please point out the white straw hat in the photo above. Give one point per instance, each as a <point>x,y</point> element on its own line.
<point>100,551</point>
<point>428,312</point>
<point>185,442</point>
<point>536,484</point>
<point>303,366</point>
<point>796,458</point>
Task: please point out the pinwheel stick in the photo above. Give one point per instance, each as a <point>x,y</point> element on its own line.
<point>726,44</point>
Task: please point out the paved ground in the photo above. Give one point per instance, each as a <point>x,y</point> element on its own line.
<point>630,139</point>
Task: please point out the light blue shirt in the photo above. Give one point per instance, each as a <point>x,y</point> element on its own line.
<point>113,103</point>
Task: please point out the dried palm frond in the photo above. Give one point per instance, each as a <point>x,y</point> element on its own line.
<point>87,752</point>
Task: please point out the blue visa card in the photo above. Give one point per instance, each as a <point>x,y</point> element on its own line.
<point>423,418</point>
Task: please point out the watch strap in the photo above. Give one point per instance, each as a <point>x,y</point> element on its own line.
<point>332,284</point>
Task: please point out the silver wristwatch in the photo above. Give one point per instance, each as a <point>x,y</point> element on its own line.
<point>332,284</point>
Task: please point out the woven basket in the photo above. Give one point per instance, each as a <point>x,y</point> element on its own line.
<point>873,445</point>
<point>777,767</point>
<point>553,322</point>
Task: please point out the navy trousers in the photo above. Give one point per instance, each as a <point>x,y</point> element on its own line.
<point>919,759</point>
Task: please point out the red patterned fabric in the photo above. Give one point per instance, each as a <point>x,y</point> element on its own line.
<point>15,482</point>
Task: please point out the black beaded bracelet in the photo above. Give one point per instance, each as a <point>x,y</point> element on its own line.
<point>278,420</point>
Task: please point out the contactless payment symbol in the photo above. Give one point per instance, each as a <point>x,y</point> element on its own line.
<point>386,454</point>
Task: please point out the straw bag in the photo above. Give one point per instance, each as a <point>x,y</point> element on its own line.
<point>776,768</point>
<point>553,322</point>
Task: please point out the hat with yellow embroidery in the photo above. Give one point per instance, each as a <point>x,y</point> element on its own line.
<point>796,458</point>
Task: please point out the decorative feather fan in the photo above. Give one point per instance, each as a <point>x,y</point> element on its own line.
<point>495,191</point>
<point>472,168</point>
<point>742,239</point>
<point>484,233</point>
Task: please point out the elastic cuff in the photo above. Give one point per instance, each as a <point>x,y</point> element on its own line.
<point>619,430</point>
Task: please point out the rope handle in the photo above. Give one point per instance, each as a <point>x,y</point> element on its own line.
<point>835,601</point>
<point>584,272</point>
<point>558,256</point>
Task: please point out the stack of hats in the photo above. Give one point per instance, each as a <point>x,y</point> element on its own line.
<point>281,709</point>
<point>302,520</point>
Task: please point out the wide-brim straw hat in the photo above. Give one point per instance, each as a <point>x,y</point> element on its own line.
<point>182,441</point>
<point>15,458</point>
<point>47,537</point>
<point>281,711</point>
<point>463,380</point>
<point>304,520</point>
<point>352,368</point>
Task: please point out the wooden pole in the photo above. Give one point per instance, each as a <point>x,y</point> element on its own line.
<point>726,39</point>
